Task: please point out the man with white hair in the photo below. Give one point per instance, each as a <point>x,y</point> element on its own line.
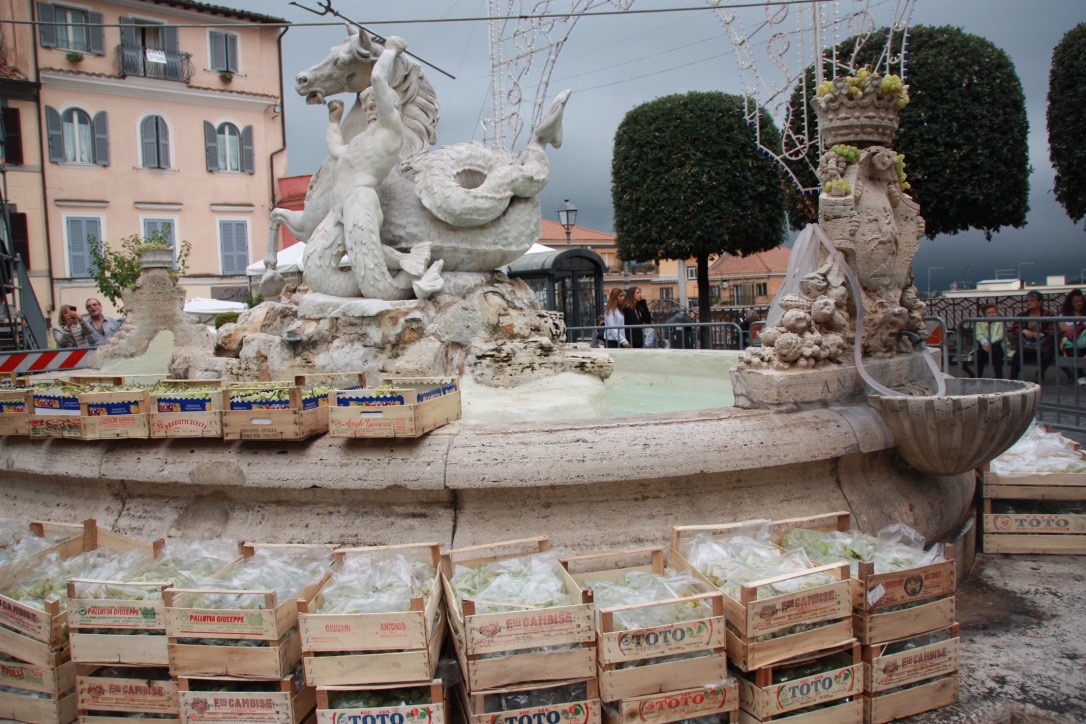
<point>102,327</point>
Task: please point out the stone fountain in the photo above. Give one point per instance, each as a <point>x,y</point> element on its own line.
<point>806,435</point>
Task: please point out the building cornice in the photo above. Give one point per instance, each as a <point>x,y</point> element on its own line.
<point>153,89</point>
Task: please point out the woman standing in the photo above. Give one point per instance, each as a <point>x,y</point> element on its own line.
<point>635,311</point>
<point>1073,331</point>
<point>990,337</point>
<point>614,334</point>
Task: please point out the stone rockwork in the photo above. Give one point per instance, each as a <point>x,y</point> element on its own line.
<point>483,324</point>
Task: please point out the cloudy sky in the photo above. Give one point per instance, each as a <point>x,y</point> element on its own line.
<point>616,62</point>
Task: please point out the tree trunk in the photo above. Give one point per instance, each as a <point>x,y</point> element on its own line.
<point>705,312</point>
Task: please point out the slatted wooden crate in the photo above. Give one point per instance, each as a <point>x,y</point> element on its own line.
<point>17,706</point>
<point>1034,532</point>
<point>575,700</point>
<point>37,636</point>
<point>413,407</point>
<point>16,404</point>
<point>194,633</point>
<point>86,413</point>
<point>840,677</point>
<point>923,678</point>
<point>56,536</point>
<point>629,662</point>
<point>172,415</point>
<point>375,648</point>
<point>720,701</point>
<point>433,709</point>
<point>107,693</point>
<point>23,684</point>
<point>926,592</point>
<point>827,608</point>
<point>513,635</point>
<point>283,700</point>
<point>301,415</point>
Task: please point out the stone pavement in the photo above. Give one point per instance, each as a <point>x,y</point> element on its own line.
<point>1023,631</point>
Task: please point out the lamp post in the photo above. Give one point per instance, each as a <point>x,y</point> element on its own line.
<point>1020,265</point>
<point>929,278</point>
<point>567,217</point>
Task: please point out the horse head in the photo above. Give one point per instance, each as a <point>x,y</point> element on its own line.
<point>346,69</point>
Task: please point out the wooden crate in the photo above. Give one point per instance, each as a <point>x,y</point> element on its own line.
<point>143,690</point>
<point>172,416</point>
<point>36,636</point>
<point>414,407</point>
<point>847,712</point>
<point>929,671</point>
<point>94,414</point>
<point>90,619</point>
<point>297,418</point>
<point>670,706</point>
<point>928,591</point>
<point>278,701</point>
<point>617,647</point>
<point>433,711</point>
<point>1051,533</point>
<point>275,623</point>
<point>15,406</point>
<point>27,707</point>
<point>26,681</point>
<point>479,708</point>
<point>828,608</point>
<point>65,537</point>
<point>477,635</point>
<point>841,678</point>
<point>375,648</point>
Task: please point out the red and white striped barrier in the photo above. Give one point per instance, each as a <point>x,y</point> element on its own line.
<point>45,360</point>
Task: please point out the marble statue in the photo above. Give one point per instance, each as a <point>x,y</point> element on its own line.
<point>476,207</point>
<point>873,227</point>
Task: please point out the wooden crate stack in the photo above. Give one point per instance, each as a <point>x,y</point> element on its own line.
<point>1029,531</point>
<point>377,654</point>
<point>222,682</point>
<point>820,688</point>
<point>662,673</point>
<point>34,644</point>
<point>905,622</point>
<point>500,659</point>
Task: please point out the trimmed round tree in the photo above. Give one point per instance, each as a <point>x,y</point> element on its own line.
<point>688,181</point>
<point>963,133</point>
<point>1067,122</point>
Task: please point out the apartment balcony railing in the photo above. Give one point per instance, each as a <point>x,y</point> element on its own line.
<point>154,63</point>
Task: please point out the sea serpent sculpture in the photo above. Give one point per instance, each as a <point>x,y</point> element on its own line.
<point>476,206</point>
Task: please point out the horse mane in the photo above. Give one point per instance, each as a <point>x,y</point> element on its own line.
<point>419,107</point>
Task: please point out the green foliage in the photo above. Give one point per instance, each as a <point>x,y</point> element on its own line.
<point>116,271</point>
<point>1067,122</point>
<point>251,300</point>
<point>226,318</point>
<point>689,181</point>
<point>963,133</point>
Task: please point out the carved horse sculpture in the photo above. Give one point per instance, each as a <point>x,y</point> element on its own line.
<point>477,206</point>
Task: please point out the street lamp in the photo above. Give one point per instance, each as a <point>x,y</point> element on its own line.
<point>929,278</point>
<point>1020,265</point>
<point>567,217</point>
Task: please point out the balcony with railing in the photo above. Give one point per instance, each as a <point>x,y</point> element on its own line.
<point>145,62</point>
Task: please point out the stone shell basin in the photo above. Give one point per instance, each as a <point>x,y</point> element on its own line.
<point>974,422</point>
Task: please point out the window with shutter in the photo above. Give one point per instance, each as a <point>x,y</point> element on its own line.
<point>229,147</point>
<point>70,29</point>
<point>160,230</point>
<point>13,137</point>
<point>224,51</point>
<point>82,232</point>
<point>20,237</point>
<point>155,142</point>
<point>234,236</point>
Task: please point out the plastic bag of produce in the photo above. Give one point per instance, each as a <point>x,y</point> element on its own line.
<point>533,581</point>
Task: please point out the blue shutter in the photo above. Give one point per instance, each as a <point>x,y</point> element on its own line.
<point>173,54</point>
<point>232,64</point>
<point>131,52</point>
<point>211,147</point>
<point>163,142</point>
<point>247,164</point>
<point>96,42</point>
<point>149,142</point>
<point>55,131</point>
<point>218,50</point>
<point>235,247</point>
<point>47,31</point>
<point>80,232</point>
<point>226,231</point>
<point>101,138</point>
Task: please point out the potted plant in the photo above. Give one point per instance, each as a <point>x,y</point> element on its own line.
<point>74,56</point>
<point>226,76</point>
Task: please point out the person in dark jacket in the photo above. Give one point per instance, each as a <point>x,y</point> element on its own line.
<point>635,311</point>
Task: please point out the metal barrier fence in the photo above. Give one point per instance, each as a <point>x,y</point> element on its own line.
<point>673,335</point>
<point>1057,369</point>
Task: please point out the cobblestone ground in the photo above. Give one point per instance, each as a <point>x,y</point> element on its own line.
<point>1023,645</point>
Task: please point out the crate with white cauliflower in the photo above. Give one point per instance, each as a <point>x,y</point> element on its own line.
<point>379,620</point>
<point>777,603</point>
<point>1035,497</point>
<point>658,631</point>
<point>516,615</point>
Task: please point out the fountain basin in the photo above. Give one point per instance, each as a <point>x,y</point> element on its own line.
<point>974,422</point>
